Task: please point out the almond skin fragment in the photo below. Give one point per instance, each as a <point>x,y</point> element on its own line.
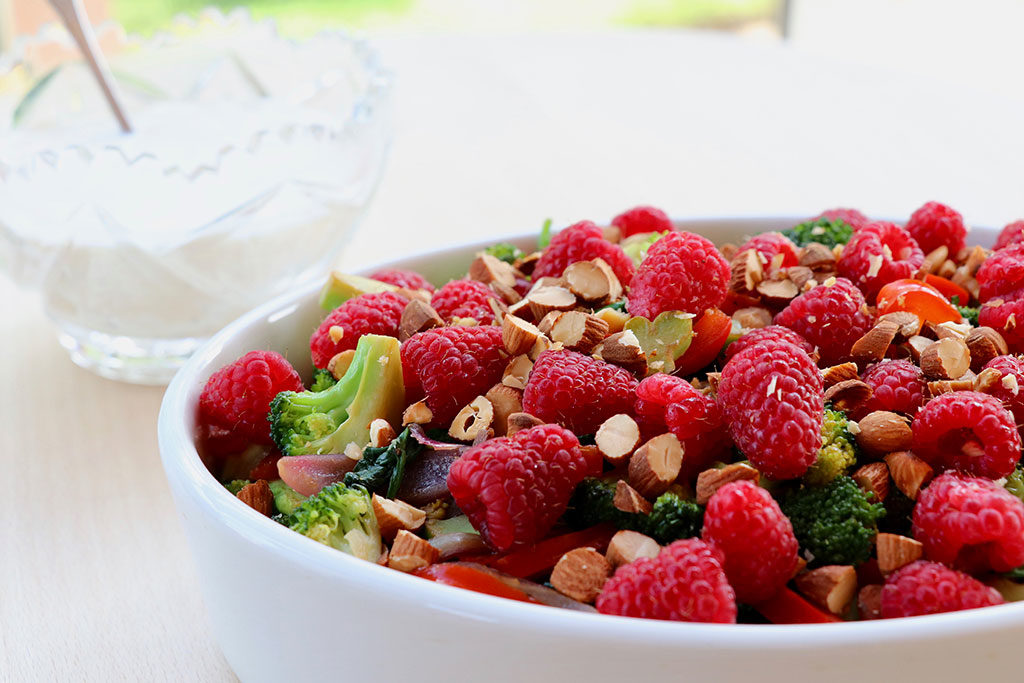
<point>909,472</point>
<point>655,465</point>
<point>709,481</point>
<point>984,344</point>
<point>873,478</point>
<point>575,330</point>
<point>472,420</point>
<point>417,413</point>
<point>869,602</point>
<point>518,335</point>
<point>895,551</point>
<point>593,282</point>
<point>945,359</point>
<point>410,552</point>
<point>832,587</point>
<point>874,344</point>
<point>580,574</point>
<point>627,546</point>
<point>520,421</point>
<point>258,496</point>
<point>883,432</point>
<point>617,438</point>
<point>505,400</point>
<point>628,500</point>
<point>395,515</point>
<point>839,373</point>
<point>417,317</point>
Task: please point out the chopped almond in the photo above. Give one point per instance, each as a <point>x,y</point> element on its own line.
<point>987,380</point>
<point>916,346</point>
<point>627,546</point>
<point>909,472</point>
<point>839,373</point>
<point>709,481</point>
<point>472,420</point>
<point>945,386</point>
<point>410,552</point>
<point>882,432</point>
<point>628,500</point>
<point>617,438</point>
<point>517,372</point>
<point>848,394</point>
<point>575,330</point>
<point>984,344</point>
<point>339,362</point>
<point>336,332</point>
<point>258,496</point>
<point>520,421</point>
<point>832,587</point>
<point>895,551</point>
<point>623,349</point>
<point>873,478</point>
<point>934,259</point>
<point>907,324</point>
<point>580,574</point>
<point>747,271</point>
<point>518,335</point>
<point>543,300</point>
<point>874,344</point>
<point>594,282</point>
<point>417,413</point>
<point>616,319</point>
<point>945,359</point>
<point>505,400</point>
<point>655,465</point>
<point>869,602</point>
<point>394,515</point>
<point>752,317</point>
<point>416,317</point>
<point>381,433</point>
<point>490,269</point>
<point>777,293</point>
<point>817,257</point>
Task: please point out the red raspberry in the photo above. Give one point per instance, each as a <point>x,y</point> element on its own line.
<point>968,431</point>
<point>365,314</point>
<point>1002,273</point>
<point>642,219</point>
<point>403,278</point>
<point>582,241</point>
<point>897,386</point>
<point>931,588</point>
<point>682,272</point>
<point>515,488</point>
<point>465,299</point>
<point>1004,313</point>
<point>970,522</point>
<point>935,225</point>
<point>577,391</point>
<point>768,244</point>
<point>1010,389</point>
<point>452,365</point>
<point>831,317</point>
<point>745,523</point>
<point>1012,234</point>
<point>877,254</point>
<point>237,397</point>
<point>685,582</point>
<point>773,400</point>
<point>771,332</point>
<point>852,217</point>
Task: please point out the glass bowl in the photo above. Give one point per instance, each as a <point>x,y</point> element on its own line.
<point>252,161</point>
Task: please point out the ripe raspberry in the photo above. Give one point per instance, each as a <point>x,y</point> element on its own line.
<point>577,391</point>
<point>897,386</point>
<point>970,522</point>
<point>852,217</point>
<point>582,241</point>
<point>1005,314</point>
<point>237,397</point>
<point>1013,233</point>
<point>1010,389</point>
<point>934,225</point>
<point>403,278</point>
<point>1002,273</point>
<point>515,488</point>
<point>365,314</point>
<point>773,400</point>
<point>768,244</point>
<point>831,317</point>
<point>452,366</point>
<point>771,332</point>
<point>931,588</point>
<point>685,582</point>
<point>968,431</point>
<point>745,523</point>
<point>641,219</point>
<point>877,254</point>
<point>465,299</point>
<point>682,272</point>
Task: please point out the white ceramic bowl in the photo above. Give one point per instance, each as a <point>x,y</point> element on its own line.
<point>284,607</point>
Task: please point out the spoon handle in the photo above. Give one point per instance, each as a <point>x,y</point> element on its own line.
<point>77,24</point>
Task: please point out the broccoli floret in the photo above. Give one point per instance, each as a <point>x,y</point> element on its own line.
<point>322,380</point>
<point>236,485</point>
<point>380,469</point>
<point>504,251</point>
<point>1015,482</point>
<point>672,517</point>
<point>636,246</point>
<point>342,517</point>
<point>286,499</point>
<point>838,449</point>
<point>315,422</point>
<point>834,524</point>
<point>827,231</point>
<point>969,313</point>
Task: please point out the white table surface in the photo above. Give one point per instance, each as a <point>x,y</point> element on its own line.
<point>493,134</point>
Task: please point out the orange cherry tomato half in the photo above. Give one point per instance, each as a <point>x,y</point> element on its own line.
<point>710,333</point>
<point>948,288</point>
<point>919,298</point>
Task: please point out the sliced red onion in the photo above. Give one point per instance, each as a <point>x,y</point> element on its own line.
<point>307,474</point>
<point>416,432</point>
<point>542,594</point>
<point>426,477</point>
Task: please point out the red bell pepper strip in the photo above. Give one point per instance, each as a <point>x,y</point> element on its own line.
<point>542,556</point>
<point>919,298</point>
<point>710,333</point>
<point>462,576</point>
<point>786,607</point>
<point>948,288</point>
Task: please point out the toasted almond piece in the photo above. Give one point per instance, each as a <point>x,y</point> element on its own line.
<point>944,386</point>
<point>747,271</point>
<point>258,496</point>
<point>416,317</point>
<point>984,344</point>
<point>520,421</point>
<point>381,433</point>
<point>987,380</point>
<point>974,261</point>
<point>410,552</point>
<point>628,546</point>
<point>505,400</point>
<point>336,332</point>
<point>394,515</point>
<point>777,292</point>
<point>520,309</point>
<point>490,269</point>
<point>580,574</point>
<point>472,420</point>
<point>895,551</point>
<point>339,362</point>
<point>873,478</point>
<point>848,394</point>
<point>907,323</point>
<point>612,233</point>
<point>628,500</point>
<point>655,465</point>
<point>709,481</point>
<point>935,259</point>
<point>803,277</point>
<point>883,432</point>
<point>526,263</point>
<point>947,269</point>
<point>916,345</point>
<point>518,335</point>
<point>417,413</point>
<point>541,345</point>
<point>728,250</point>
<point>617,438</point>
<point>352,450</point>
<point>832,586</point>
<point>423,295</point>
<point>839,373</point>
<point>623,349</point>
<point>543,300</point>
<point>575,330</point>
<point>817,256</point>
<point>909,472</point>
<point>752,317</point>
<point>869,602</point>
<point>616,319</point>
<point>517,372</point>
<point>945,359</point>
<point>952,330</point>
<point>875,342</point>
<point>593,282</point>
<point>460,321</point>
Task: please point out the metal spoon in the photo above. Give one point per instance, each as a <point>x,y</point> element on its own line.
<point>77,23</point>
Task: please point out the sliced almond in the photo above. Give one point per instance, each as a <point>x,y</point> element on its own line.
<point>575,330</point>
<point>520,421</point>
<point>417,413</point>
<point>709,481</point>
<point>752,317</point>
<point>517,372</point>
<point>873,478</point>
<point>909,472</point>
<point>848,394</point>
<point>895,551</point>
<point>627,499</point>
<point>505,400</point>
<point>839,373</point>
<point>617,438</point>
<point>593,282</point>
<point>338,365</point>
<point>622,349</point>
<point>869,602</point>
<point>258,496</point>
<point>655,465</point>
<point>416,317</point>
<point>580,574</point>
<point>832,586</point>
<point>472,420</point>
<point>945,359</point>
<point>875,342</point>
<point>490,269</point>
<point>543,300</point>
<point>628,546</point>
<point>410,552</point>
<point>518,335</point>
<point>882,432</point>
<point>616,319</point>
<point>984,344</point>
<point>381,433</point>
<point>395,515</point>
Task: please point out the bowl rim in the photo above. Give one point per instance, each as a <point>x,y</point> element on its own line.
<point>188,476</point>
